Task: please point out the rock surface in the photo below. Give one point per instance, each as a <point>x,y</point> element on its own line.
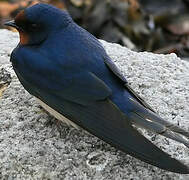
<point>33,145</point>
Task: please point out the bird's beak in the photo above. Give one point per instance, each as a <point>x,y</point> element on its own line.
<point>12,24</point>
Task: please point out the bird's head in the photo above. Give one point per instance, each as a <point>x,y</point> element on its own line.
<point>35,23</point>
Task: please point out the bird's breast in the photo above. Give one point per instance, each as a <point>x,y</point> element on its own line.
<point>57,115</point>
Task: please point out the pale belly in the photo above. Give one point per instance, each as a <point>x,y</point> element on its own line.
<point>57,115</point>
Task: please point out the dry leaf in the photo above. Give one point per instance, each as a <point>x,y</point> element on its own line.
<point>2,89</point>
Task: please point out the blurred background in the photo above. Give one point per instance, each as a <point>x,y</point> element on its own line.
<point>159,26</point>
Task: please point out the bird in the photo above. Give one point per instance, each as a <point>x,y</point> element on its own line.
<point>67,69</point>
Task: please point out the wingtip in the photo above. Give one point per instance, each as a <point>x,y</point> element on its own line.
<point>176,166</point>
<point>167,163</point>
<point>181,169</point>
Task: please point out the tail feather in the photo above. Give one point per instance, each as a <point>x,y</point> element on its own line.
<point>149,120</point>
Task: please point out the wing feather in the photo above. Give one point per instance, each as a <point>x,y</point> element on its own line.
<point>113,68</point>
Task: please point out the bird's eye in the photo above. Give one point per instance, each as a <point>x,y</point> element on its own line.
<point>33,25</point>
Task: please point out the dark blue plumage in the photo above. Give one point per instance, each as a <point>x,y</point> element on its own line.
<point>67,68</point>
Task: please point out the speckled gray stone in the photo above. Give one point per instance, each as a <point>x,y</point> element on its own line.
<point>33,145</point>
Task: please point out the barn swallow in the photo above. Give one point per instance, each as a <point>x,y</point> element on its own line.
<point>68,70</point>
